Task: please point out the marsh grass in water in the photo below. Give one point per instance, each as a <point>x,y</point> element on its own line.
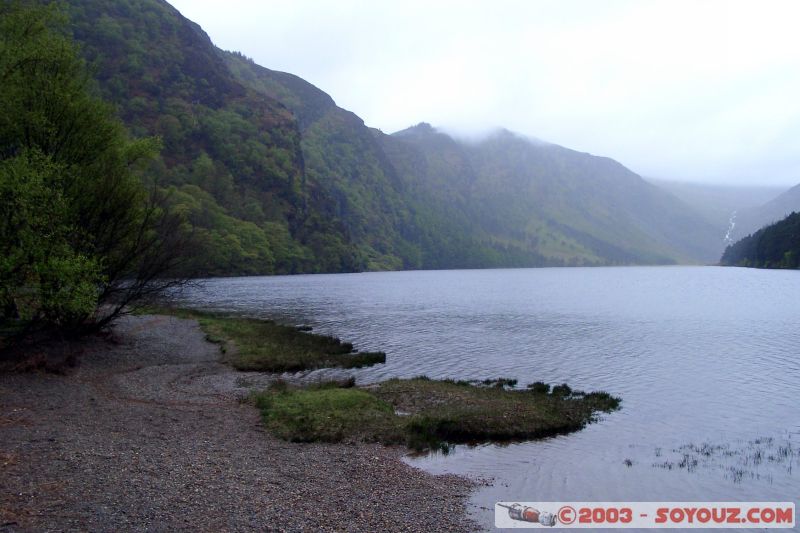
<point>434,413</point>
<point>262,345</point>
<point>761,458</point>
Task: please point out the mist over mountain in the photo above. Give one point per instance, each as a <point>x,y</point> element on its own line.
<point>737,211</point>
<point>776,209</point>
<point>276,178</point>
<point>718,203</point>
<point>566,204</point>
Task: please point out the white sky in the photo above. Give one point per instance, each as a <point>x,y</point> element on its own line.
<point>696,90</point>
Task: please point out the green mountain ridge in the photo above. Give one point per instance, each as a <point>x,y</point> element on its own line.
<point>276,178</point>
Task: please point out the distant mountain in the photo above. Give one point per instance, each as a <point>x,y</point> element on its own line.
<point>567,205</point>
<point>774,246</point>
<point>774,210</point>
<point>276,178</point>
<point>718,203</point>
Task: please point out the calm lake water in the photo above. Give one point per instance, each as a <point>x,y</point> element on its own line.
<point>706,360</point>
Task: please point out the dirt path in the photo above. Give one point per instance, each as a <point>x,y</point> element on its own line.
<point>148,435</point>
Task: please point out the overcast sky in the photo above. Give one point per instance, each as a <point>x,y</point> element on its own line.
<point>696,90</point>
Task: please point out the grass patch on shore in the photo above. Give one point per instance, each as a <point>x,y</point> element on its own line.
<point>329,415</point>
<point>262,345</point>
<point>425,413</point>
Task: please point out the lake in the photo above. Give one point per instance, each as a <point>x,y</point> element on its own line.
<point>705,359</point>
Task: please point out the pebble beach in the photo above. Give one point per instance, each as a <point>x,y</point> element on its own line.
<point>150,432</point>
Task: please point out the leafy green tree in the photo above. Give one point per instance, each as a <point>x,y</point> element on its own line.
<point>78,229</point>
<point>41,274</point>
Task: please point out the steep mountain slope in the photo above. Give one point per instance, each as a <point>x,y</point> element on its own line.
<point>274,177</point>
<point>598,202</point>
<point>566,205</point>
<point>344,160</point>
<point>505,202</point>
<point>438,182</point>
<point>232,157</point>
<point>774,246</point>
<point>508,201</point>
<point>393,224</point>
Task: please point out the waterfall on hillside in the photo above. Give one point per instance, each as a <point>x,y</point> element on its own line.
<point>731,225</point>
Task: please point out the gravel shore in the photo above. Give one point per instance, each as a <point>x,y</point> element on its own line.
<point>148,434</point>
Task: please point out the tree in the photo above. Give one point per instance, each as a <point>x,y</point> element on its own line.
<point>80,231</point>
<point>40,273</point>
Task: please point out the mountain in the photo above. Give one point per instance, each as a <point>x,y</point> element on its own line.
<point>345,163</point>
<point>774,210</point>
<point>774,246</point>
<point>276,178</point>
<point>232,157</point>
<point>568,206</point>
<point>569,212</point>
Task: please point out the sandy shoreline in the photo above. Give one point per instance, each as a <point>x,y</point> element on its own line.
<point>148,433</point>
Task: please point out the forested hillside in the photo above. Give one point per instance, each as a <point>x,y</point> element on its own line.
<point>775,246</point>
<point>395,224</point>
<point>568,206</point>
<point>275,178</point>
<point>231,158</point>
<point>345,163</point>
<point>505,201</point>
